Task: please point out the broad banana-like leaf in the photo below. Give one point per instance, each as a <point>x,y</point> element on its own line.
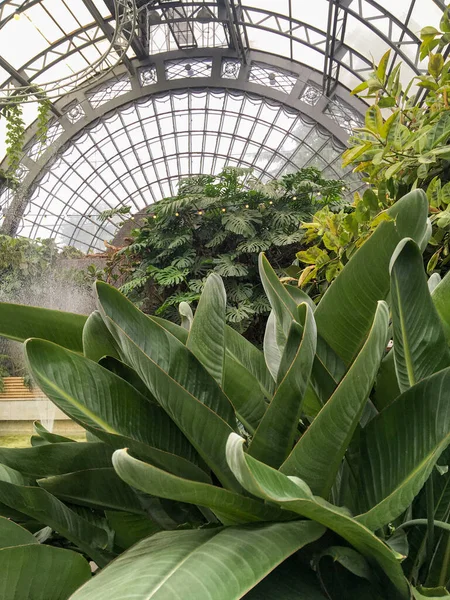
<point>177,331</point>
<point>229,507</point>
<point>38,572</point>
<point>209,564</point>
<point>293,494</point>
<point>57,459</point>
<point>207,333</point>
<point>441,300</point>
<point>45,508</point>
<point>125,372</point>
<point>346,311</point>
<point>48,436</point>
<point>416,355</point>
<point>430,594</point>
<point>97,341</point>
<point>318,454</point>
<point>12,534</point>
<point>386,384</point>
<point>433,282</point>
<point>19,322</point>
<point>250,357</point>
<point>400,447</point>
<point>300,296</point>
<point>273,350</point>
<point>116,407</point>
<point>289,581</point>
<point>274,438</point>
<point>179,382</point>
<point>130,528</point>
<point>96,488</point>
<point>245,393</point>
<point>327,368</point>
<point>186,315</point>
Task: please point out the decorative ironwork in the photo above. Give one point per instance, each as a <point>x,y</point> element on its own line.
<point>74,112</point>
<point>38,148</point>
<point>311,94</point>
<point>230,68</point>
<point>193,67</point>
<point>343,114</point>
<point>109,90</point>
<point>148,75</point>
<point>275,78</point>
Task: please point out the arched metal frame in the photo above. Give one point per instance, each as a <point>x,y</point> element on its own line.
<point>298,94</point>
<point>213,43</point>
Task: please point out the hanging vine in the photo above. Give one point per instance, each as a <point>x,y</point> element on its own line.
<point>15,135</point>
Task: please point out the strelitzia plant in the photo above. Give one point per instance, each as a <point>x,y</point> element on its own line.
<point>298,472</point>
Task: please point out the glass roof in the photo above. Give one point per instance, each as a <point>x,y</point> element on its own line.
<point>62,45</point>
<point>137,154</point>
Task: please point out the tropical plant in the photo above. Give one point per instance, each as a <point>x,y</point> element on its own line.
<point>220,224</point>
<point>238,459</point>
<point>404,142</point>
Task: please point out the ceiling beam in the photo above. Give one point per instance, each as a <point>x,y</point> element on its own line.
<point>107,30</point>
<point>232,22</point>
<point>136,43</point>
<point>24,82</point>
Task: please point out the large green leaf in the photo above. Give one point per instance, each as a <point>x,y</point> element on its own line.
<point>96,488</point>
<point>245,393</point>
<point>116,407</point>
<point>124,371</point>
<point>273,346</point>
<point>130,528</point>
<point>420,347</point>
<point>179,382</point>
<point>327,368</point>
<point>207,333</point>
<point>318,454</point>
<point>289,581</point>
<point>230,508</point>
<point>441,300</point>
<point>37,572</point>
<point>97,341</point>
<point>19,322</point>
<point>400,447</point>
<point>346,311</point>
<point>48,436</point>
<point>293,494</point>
<point>250,357</point>
<point>12,534</point>
<point>274,438</point>
<point>45,508</point>
<point>209,564</point>
<point>56,459</point>
<point>386,384</point>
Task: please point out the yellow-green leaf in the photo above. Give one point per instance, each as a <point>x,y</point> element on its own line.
<point>374,120</point>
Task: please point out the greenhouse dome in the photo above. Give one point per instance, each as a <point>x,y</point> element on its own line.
<point>224,300</point>
<point>145,93</point>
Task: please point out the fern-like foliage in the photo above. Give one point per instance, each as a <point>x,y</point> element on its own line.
<point>221,223</point>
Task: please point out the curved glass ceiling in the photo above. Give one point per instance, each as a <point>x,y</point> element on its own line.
<point>138,153</point>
